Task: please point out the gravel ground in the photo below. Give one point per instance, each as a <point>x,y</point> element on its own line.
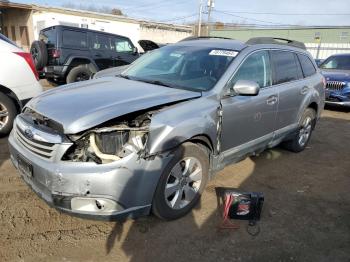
<point>306,214</point>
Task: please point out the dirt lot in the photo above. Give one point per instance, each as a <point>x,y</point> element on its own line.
<point>306,215</point>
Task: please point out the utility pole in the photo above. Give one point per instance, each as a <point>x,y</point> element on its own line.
<point>200,17</point>
<point>210,5</point>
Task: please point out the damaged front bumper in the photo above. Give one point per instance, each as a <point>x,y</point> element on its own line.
<point>115,190</point>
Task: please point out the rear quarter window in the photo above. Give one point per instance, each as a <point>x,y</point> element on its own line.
<point>306,65</point>
<point>74,39</point>
<point>48,37</point>
<point>286,67</point>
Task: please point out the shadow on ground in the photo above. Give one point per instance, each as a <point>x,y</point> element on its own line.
<point>306,215</point>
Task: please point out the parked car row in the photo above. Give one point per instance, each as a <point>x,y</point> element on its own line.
<point>65,54</point>
<point>18,82</point>
<point>149,139</point>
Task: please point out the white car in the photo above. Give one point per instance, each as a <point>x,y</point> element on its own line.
<point>18,82</point>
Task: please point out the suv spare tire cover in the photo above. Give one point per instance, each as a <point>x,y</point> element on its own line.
<point>38,51</point>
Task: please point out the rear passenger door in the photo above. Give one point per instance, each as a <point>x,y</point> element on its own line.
<point>101,50</point>
<point>291,88</point>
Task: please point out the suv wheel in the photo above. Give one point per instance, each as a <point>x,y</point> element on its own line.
<point>8,113</point>
<point>302,137</point>
<point>79,73</point>
<point>182,182</point>
<point>38,51</point>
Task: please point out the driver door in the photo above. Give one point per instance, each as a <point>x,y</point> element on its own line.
<point>248,121</point>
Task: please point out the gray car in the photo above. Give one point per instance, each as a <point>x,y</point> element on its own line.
<point>149,139</point>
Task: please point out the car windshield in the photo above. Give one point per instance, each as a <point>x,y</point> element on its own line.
<point>187,67</point>
<point>337,62</point>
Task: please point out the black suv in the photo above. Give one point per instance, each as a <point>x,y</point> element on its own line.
<point>66,54</point>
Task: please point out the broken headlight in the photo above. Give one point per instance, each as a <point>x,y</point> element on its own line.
<point>106,145</point>
<point>112,142</point>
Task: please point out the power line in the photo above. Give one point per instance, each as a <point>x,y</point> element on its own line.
<point>179,18</point>
<point>247,18</point>
<point>161,4</point>
<point>300,14</point>
<point>144,5</point>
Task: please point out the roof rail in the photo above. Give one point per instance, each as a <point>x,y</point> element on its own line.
<point>276,41</point>
<point>204,37</point>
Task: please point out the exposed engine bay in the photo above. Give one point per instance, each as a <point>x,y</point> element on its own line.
<point>112,141</point>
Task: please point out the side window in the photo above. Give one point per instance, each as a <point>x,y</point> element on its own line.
<point>101,42</point>
<point>255,68</point>
<point>286,67</point>
<point>74,39</point>
<point>307,65</point>
<point>122,45</point>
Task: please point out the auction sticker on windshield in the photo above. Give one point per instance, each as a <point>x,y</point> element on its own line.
<point>223,53</point>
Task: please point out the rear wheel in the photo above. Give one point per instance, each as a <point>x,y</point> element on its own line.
<point>182,182</point>
<point>8,113</point>
<point>79,73</point>
<point>302,137</point>
<point>38,51</point>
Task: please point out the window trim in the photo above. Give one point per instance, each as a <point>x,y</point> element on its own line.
<point>300,54</point>
<point>226,86</point>
<point>297,62</point>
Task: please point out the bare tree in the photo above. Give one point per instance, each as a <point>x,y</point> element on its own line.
<point>93,8</point>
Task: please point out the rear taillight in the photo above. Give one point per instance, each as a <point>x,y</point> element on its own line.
<point>56,53</point>
<point>28,58</point>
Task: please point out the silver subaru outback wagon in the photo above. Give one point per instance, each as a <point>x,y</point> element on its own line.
<point>148,139</point>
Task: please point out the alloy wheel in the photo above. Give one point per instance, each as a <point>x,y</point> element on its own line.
<point>4,115</point>
<point>183,183</point>
<point>305,131</point>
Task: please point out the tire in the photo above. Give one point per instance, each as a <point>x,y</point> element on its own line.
<point>39,54</point>
<point>188,184</point>
<point>302,137</point>
<point>8,112</point>
<point>79,73</point>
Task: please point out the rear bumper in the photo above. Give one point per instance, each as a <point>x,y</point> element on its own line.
<point>345,103</point>
<point>54,72</point>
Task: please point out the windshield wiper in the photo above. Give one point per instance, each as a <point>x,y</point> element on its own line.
<point>154,82</point>
<point>124,76</point>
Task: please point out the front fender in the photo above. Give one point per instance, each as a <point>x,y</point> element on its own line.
<point>176,124</point>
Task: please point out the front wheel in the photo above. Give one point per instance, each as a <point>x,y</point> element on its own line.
<point>302,137</point>
<point>182,182</point>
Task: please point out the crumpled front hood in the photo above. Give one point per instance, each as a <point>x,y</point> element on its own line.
<point>336,75</point>
<point>80,106</point>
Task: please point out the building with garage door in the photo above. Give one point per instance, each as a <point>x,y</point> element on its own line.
<point>321,42</point>
<point>22,24</point>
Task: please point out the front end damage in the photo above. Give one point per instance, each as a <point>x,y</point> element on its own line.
<point>111,169</point>
<point>112,141</point>
<point>106,172</point>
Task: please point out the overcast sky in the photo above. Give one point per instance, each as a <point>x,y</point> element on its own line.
<point>302,12</point>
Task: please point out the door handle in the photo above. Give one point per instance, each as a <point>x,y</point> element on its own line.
<point>98,55</point>
<point>271,100</point>
<point>304,90</point>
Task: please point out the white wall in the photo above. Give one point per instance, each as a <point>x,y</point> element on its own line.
<point>46,19</point>
<point>43,19</point>
<point>327,49</point>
